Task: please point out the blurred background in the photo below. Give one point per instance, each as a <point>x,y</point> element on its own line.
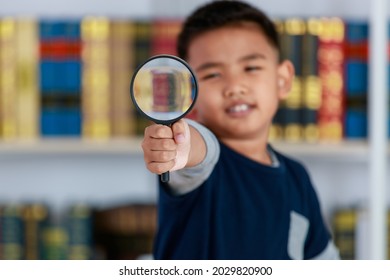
<point>73,184</point>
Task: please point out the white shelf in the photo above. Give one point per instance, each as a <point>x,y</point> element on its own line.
<point>341,151</point>
<point>65,146</point>
<point>344,150</point>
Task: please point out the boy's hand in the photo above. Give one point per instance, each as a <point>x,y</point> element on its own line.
<point>166,148</point>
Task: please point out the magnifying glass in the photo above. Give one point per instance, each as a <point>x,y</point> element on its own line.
<point>164,89</point>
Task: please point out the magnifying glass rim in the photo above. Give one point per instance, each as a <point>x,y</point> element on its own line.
<point>166,122</point>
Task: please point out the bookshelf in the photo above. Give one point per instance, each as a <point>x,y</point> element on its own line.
<point>47,169</point>
<point>344,151</point>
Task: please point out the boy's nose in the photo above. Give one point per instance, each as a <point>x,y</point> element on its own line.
<point>234,87</point>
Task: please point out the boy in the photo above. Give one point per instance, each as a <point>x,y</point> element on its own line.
<point>231,195</point>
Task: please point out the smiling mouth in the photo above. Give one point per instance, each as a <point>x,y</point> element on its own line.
<point>239,108</point>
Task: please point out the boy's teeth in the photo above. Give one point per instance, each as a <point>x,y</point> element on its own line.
<point>239,108</point>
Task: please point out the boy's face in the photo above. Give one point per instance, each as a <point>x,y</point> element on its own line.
<point>240,81</point>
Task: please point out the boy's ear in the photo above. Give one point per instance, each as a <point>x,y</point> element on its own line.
<point>286,74</point>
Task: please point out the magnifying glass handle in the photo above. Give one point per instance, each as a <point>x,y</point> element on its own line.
<point>164,177</point>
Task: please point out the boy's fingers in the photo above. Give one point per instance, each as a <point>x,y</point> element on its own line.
<point>159,168</point>
<point>160,156</point>
<point>158,131</point>
<point>161,144</point>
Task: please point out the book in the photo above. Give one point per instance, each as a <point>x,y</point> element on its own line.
<point>142,52</point>
<point>311,82</point>
<point>96,78</point>
<point>55,242</point>
<point>8,87</point>
<point>344,232</point>
<point>122,62</point>
<point>79,224</point>
<point>27,100</point>
<point>292,46</point>
<point>35,219</point>
<point>356,79</point>
<point>60,77</point>
<point>126,231</point>
<point>12,242</point>
<point>164,36</point>
<point>331,58</point>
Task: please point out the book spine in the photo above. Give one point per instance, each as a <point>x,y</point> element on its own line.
<point>28,105</point>
<point>80,232</point>
<point>12,232</point>
<point>126,231</point>
<point>96,78</point>
<point>294,29</point>
<point>55,243</point>
<point>122,67</point>
<point>142,51</point>
<point>8,89</point>
<point>311,81</point>
<point>60,79</point>
<point>331,59</point>
<point>35,218</point>
<point>356,80</point>
<point>344,229</point>
<point>164,36</point>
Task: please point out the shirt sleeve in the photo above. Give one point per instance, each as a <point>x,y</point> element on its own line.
<point>187,179</point>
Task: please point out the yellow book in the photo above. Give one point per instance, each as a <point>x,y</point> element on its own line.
<point>122,68</point>
<point>27,78</point>
<point>35,217</point>
<point>96,77</point>
<point>344,231</point>
<point>8,91</point>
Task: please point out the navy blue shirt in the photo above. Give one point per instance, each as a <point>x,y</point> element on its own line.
<point>244,210</point>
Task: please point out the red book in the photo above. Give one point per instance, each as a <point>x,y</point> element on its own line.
<point>164,36</point>
<point>331,57</point>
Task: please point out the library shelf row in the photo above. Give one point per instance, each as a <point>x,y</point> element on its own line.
<point>344,150</point>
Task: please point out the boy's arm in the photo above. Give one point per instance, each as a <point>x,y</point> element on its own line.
<point>187,179</point>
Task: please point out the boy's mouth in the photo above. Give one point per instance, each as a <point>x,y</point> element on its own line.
<point>239,109</point>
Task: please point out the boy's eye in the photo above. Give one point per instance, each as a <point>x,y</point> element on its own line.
<point>210,76</point>
<point>253,68</point>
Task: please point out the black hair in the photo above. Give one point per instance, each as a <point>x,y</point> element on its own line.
<point>222,13</point>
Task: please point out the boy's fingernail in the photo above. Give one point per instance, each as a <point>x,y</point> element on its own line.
<point>179,138</point>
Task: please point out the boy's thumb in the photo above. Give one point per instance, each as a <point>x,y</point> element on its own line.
<point>180,131</point>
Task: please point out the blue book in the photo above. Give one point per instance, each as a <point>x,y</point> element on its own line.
<point>60,79</point>
<point>72,121</point>
<point>59,29</point>
<point>356,123</point>
<point>356,31</point>
<point>64,121</point>
<point>356,77</point>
